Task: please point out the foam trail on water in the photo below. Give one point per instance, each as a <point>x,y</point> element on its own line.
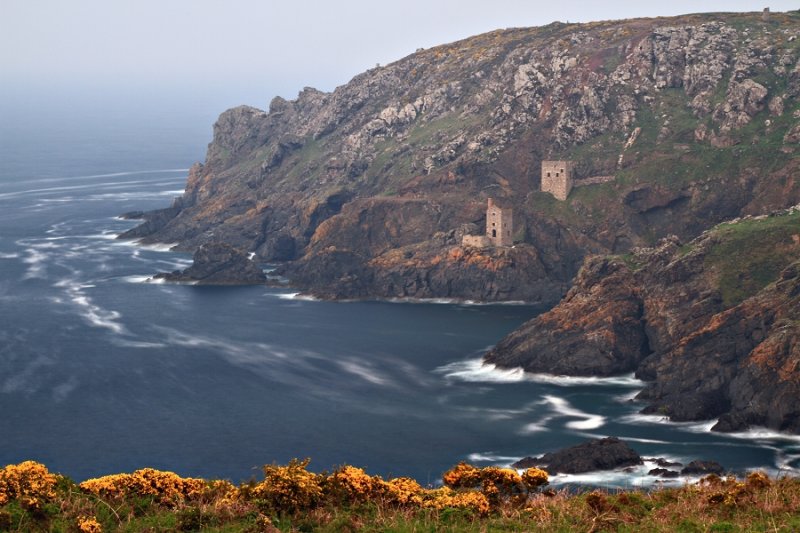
<point>111,175</point>
<point>562,407</point>
<point>294,296</point>
<point>476,370</point>
<point>493,458</point>
<point>94,314</point>
<point>36,260</point>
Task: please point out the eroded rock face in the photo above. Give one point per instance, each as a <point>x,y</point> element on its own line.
<point>444,128</point>
<point>711,324</point>
<point>596,330</point>
<point>219,264</point>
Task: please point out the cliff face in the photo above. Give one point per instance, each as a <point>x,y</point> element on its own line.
<point>712,325</point>
<point>694,119</point>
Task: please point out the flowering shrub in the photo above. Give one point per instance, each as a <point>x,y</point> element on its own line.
<point>28,482</point>
<point>165,487</point>
<point>533,478</point>
<point>288,488</point>
<point>352,484</point>
<point>402,491</point>
<point>445,497</point>
<point>89,524</point>
<point>496,484</point>
<point>462,475</point>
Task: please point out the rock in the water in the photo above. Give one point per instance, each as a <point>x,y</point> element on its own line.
<point>663,463</point>
<point>599,454</point>
<point>663,472</point>
<point>219,264</point>
<point>702,468</point>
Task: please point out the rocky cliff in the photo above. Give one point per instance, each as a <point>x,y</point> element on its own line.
<point>365,191</point>
<point>712,324</point>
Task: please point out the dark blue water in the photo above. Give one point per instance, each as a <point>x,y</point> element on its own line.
<point>103,372</point>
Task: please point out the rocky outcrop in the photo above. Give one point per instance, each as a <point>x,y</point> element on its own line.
<point>218,264</point>
<point>702,468</point>
<point>343,186</point>
<point>711,324</point>
<point>600,454</point>
<point>598,331</point>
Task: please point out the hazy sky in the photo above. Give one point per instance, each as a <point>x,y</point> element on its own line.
<point>250,50</point>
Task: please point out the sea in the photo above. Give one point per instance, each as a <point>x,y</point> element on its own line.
<point>103,370</point>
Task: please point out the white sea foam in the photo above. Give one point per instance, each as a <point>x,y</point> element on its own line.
<point>761,433</point>
<point>693,427</point>
<point>36,261</point>
<point>563,408</point>
<point>125,343</point>
<point>92,313</point>
<point>493,458</point>
<point>9,255</point>
<point>155,247</point>
<point>364,372</point>
<point>294,296</point>
<point>475,370</point>
<point>111,175</point>
<point>94,186</point>
<point>451,301</point>
<point>137,279</point>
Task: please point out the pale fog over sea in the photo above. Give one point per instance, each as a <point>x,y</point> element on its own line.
<point>103,372</point>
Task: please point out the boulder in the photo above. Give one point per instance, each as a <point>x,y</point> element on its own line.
<point>598,454</point>
<point>219,264</point>
<point>702,468</point>
<point>664,473</point>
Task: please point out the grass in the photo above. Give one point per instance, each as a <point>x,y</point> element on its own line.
<point>751,253</point>
<point>291,499</point>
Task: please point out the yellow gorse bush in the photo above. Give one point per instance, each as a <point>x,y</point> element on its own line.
<point>352,484</point>
<point>89,524</point>
<point>164,487</point>
<point>285,489</point>
<point>289,488</point>
<point>402,491</point>
<point>496,484</point>
<point>29,482</point>
<point>533,478</point>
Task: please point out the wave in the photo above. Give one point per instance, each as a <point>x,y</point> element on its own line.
<point>294,296</point>
<point>451,301</point>
<point>477,371</point>
<point>136,279</point>
<point>762,434</point>
<point>9,255</point>
<point>694,427</point>
<point>155,247</point>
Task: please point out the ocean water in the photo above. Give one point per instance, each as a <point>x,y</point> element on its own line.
<point>102,371</point>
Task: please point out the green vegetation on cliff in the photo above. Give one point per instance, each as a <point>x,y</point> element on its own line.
<point>674,126</point>
<point>292,499</point>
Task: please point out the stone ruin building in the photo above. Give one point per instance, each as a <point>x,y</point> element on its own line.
<point>557,178</point>
<point>499,228</point>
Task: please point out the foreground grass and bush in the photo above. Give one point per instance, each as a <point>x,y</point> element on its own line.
<point>291,498</point>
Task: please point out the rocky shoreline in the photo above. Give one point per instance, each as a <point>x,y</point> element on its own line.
<point>710,325</point>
